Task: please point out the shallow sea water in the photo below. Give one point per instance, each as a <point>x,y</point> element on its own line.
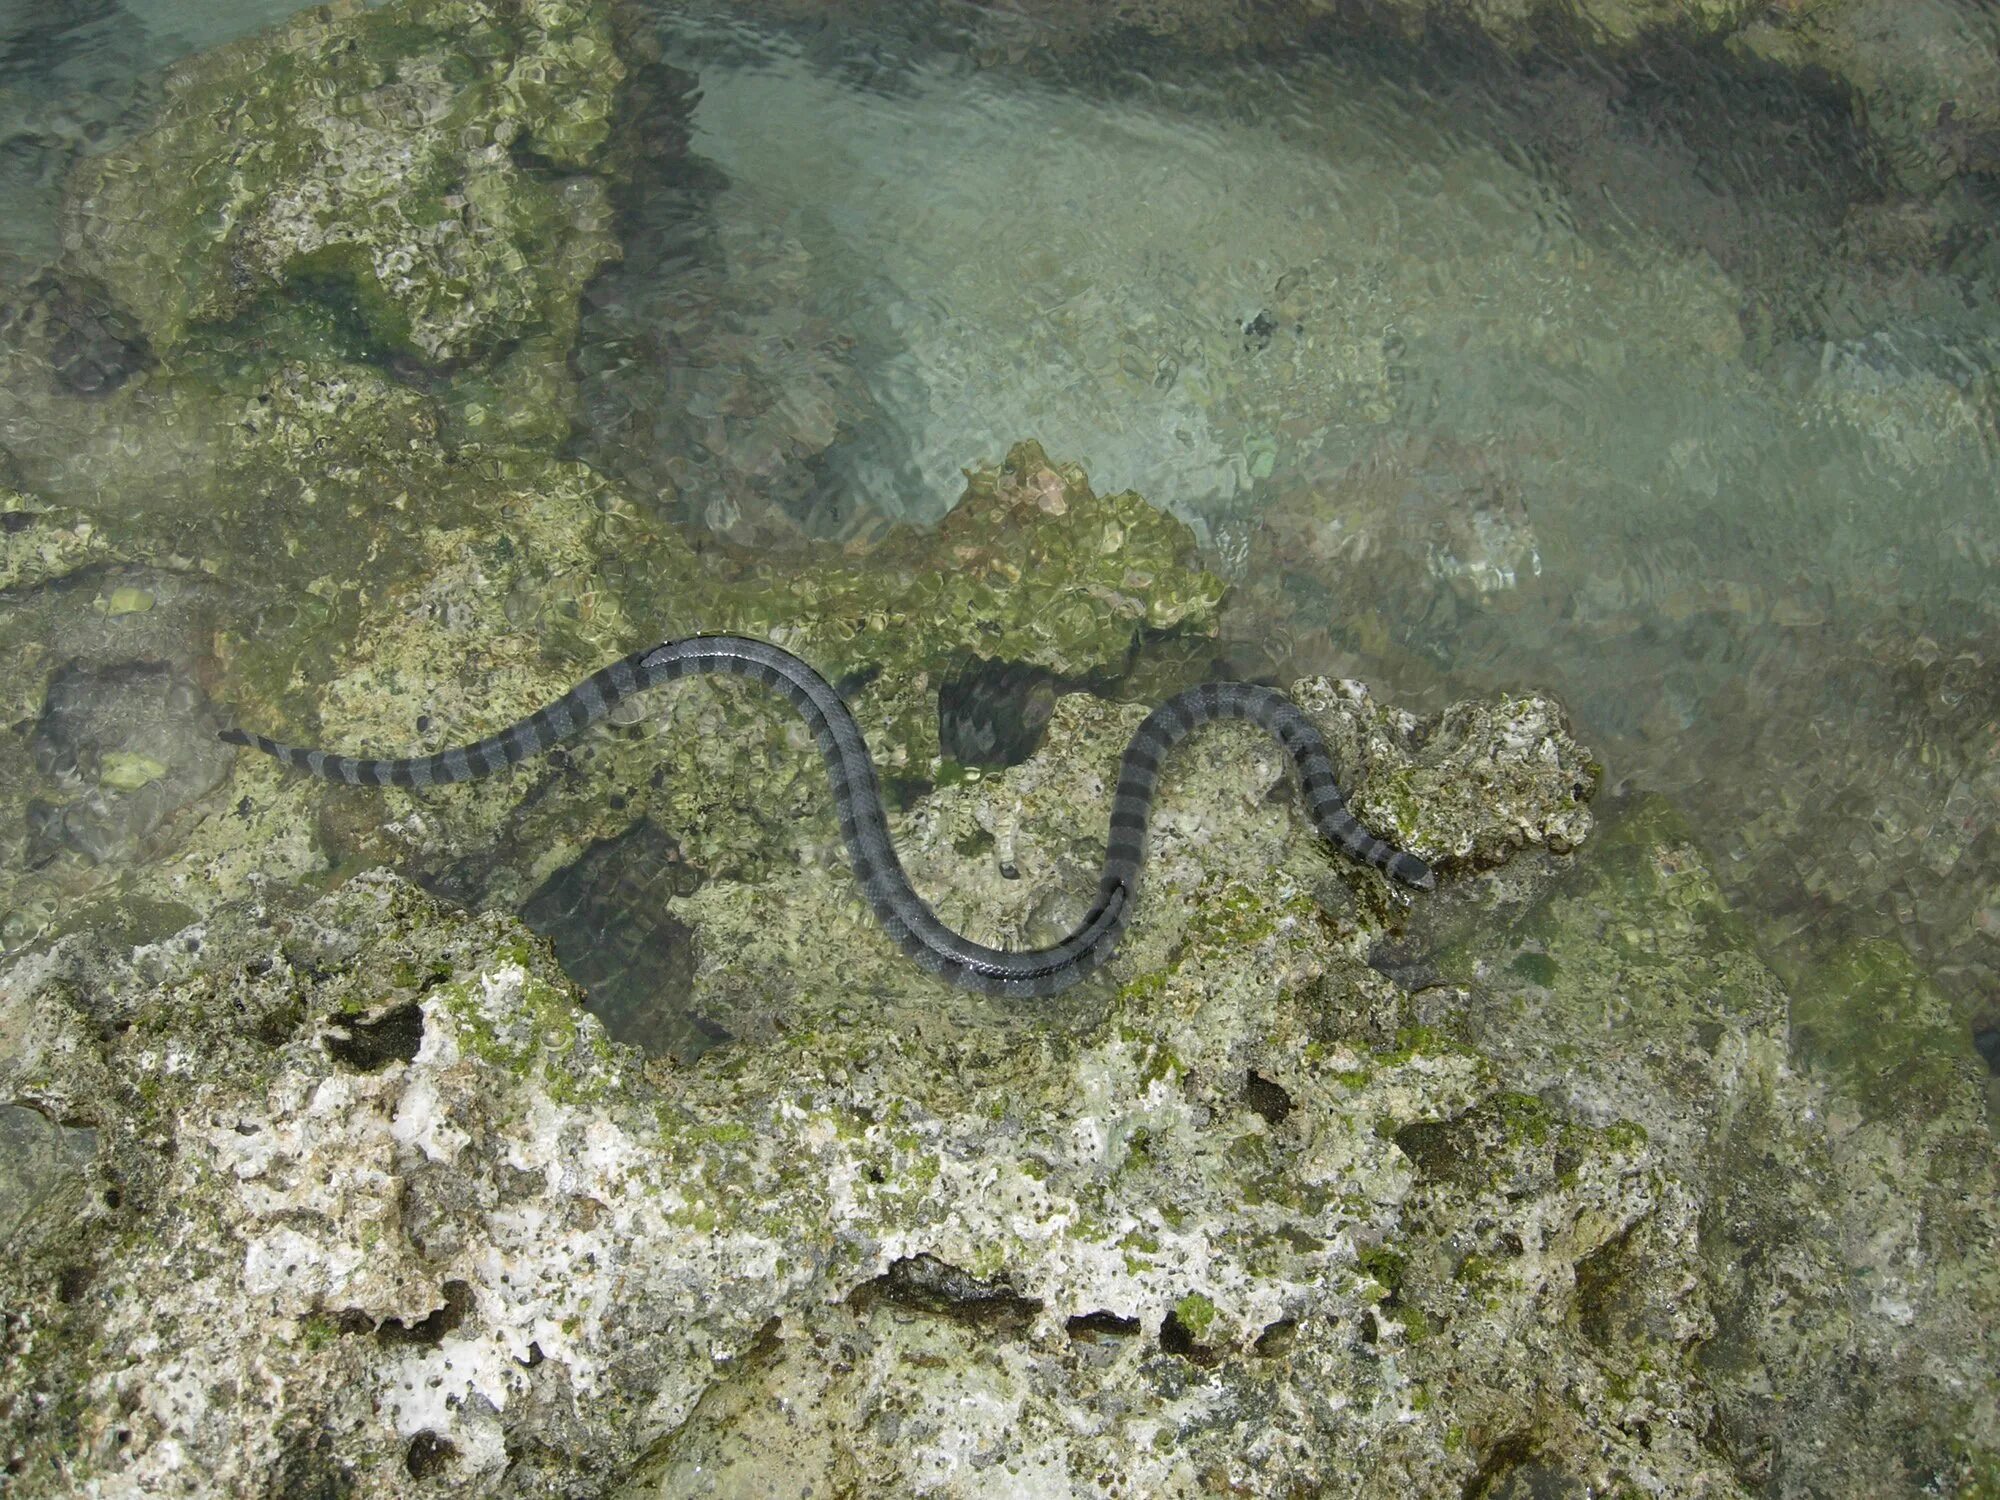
<point>1472,377</point>
<point>1643,386</point>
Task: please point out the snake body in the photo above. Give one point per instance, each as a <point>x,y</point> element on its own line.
<point>905,915</point>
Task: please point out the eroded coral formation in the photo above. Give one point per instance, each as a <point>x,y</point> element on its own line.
<point>318,1178</point>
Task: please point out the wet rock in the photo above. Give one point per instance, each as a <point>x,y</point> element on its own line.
<point>39,1161</point>
<point>1925,70</point>
<point>126,746</point>
<point>605,917</point>
<point>1412,553</point>
<point>709,385</point>
<point>1475,786</point>
<point>427,161</point>
<point>87,344</point>
<point>73,78</point>
<point>110,725</point>
<point>1927,73</point>
<point>1634,990</point>
<point>1416,514</point>
<point>899,1199</point>
<point>40,543</point>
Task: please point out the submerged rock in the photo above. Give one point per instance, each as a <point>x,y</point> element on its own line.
<point>1844,1207</point>
<point>88,345</point>
<point>129,745</point>
<point>425,160</point>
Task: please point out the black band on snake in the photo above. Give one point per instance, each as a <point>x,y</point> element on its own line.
<point>904,915</point>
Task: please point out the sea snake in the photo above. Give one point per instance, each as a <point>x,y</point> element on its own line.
<point>905,915</point>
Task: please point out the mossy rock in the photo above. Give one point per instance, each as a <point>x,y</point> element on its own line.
<point>1871,1021</point>
<point>427,161</point>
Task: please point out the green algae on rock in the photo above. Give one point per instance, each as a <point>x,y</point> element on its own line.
<point>424,158</point>
<point>375,1149</point>
<point>1843,1213</point>
<point>1032,564</point>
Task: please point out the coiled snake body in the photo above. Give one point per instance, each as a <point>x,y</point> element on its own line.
<point>905,915</point>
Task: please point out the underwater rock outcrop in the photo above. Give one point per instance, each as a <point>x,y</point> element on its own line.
<point>1925,74</point>
<point>427,159</point>
<point>1831,1129</point>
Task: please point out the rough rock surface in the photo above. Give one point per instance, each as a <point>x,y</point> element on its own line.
<point>1846,1187</point>
<point>1244,1213</point>
<point>1031,564</point>
<point>370,1159</point>
<point>426,157</point>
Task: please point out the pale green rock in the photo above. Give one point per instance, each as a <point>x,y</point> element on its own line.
<point>128,771</point>
<point>897,1239</point>
<point>1835,1156</point>
<point>126,601</point>
<point>380,155</point>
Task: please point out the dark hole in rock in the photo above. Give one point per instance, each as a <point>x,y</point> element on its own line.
<point>428,1454</point>
<point>1387,1268</point>
<point>1510,1470</point>
<point>901,793</point>
<point>1100,1325</point>
<point>1278,1338</point>
<point>1611,1301</point>
<point>1430,1147</point>
<point>370,1046</point>
<point>930,1285</point>
<point>1267,1098</point>
<point>428,1331</point>
<point>73,1281</point>
<point>1177,1340</point>
<point>993,714</point>
<point>850,685</point>
<point>606,917</point>
<point>1986,1041</point>
<point>309,1470</point>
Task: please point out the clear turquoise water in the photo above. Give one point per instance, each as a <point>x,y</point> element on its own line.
<point>1647,389</point>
